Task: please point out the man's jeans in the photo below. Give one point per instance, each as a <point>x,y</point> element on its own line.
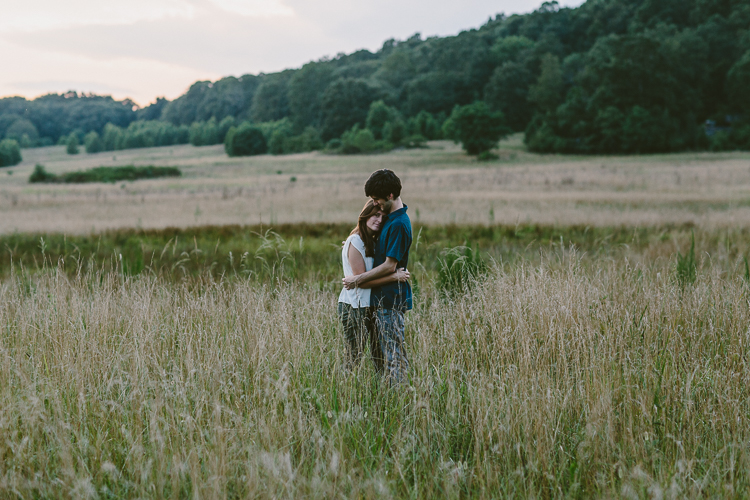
<point>389,351</point>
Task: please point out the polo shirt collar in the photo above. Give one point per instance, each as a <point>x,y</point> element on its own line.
<point>400,211</point>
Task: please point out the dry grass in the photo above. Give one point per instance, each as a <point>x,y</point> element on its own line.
<point>441,186</point>
<point>549,381</point>
<point>557,375</point>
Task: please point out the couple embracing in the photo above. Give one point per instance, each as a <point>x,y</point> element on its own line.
<point>376,292</point>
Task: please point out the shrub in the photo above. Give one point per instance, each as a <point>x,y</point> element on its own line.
<point>228,140</point>
<point>276,143</point>
<point>93,143</point>
<point>308,140</point>
<point>378,115</point>
<point>41,175</point>
<point>735,138</point>
<point>394,131</point>
<point>71,146</point>
<point>10,153</point>
<point>282,142</point>
<point>207,133</point>
<point>414,141</point>
<point>477,127</point>
<point>104,174</point>
<point>424,124</point>
<point>541,138</point>
<point>358,140</point>
<point>248,140</point>
<point>224,127</point>
<point>333,145</point>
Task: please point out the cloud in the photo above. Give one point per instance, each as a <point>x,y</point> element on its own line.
<point>141,80</point>
<point>255,8</point>
<point>35,15</point>
<point>214,41</point>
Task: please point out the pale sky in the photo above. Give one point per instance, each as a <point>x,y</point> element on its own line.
<point>147,48</point>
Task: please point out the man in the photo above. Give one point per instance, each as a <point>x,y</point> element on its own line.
<point>391,301</point>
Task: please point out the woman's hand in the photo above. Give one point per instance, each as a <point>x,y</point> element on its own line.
<point>402,274</point>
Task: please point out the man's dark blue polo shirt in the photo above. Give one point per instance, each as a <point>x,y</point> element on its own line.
<point>395,241</point>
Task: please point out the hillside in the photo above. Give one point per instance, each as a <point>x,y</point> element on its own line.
<point>611,76</point>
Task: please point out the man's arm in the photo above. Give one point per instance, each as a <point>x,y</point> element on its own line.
<point>384,269</point>
<point>400,275</point>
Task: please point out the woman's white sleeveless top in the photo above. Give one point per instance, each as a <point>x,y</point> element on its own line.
<point>356,297</point>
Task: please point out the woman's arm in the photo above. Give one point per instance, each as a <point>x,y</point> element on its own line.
<point>400,275</point>
<point>356,261</point>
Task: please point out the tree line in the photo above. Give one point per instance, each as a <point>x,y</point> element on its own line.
<point>611,76</point>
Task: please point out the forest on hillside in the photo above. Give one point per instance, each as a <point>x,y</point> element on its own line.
<point>611,76</point>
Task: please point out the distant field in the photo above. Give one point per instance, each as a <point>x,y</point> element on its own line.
<point>441,186</point>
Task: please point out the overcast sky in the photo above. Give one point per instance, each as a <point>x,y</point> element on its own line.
<point>147,48</point>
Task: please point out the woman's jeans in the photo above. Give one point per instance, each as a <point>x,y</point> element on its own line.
<point>357,323</point>
<point>383,329</point>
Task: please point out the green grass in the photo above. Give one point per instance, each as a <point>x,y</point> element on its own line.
<point>579,375</point>
<point>310,253</point>
<point>103,174</point>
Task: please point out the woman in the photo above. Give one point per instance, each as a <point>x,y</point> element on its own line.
<point>357,257</point>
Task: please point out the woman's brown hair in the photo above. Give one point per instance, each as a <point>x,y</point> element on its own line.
<point>368,238</point>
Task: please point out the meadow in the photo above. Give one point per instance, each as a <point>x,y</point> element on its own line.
<point>199,356</point>
<point>442,186</point>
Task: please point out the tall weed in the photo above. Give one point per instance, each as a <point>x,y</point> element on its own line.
<point>686,268</point>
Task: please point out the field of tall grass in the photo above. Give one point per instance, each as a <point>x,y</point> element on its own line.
<point>564,372</point>
<point>580,329</point>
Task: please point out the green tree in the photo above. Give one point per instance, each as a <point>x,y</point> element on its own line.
<point>224,127</point>
<point>477,127</point>
<point>547,92</point>
<point>397,69</point>
<point>738,84</point>
<point>378,115</point>
<point>6,120</point>
<point>424,124</point>
<point>507,91</point>
<point>24,132</point>
<point>211,132</point>
<point>271,102</point>
<point>205,133</point>
<point>306,88</point>
<point>345,103</point>
<point>10,153</point>
<point>93,143</point>
<point>434,92</point>
<point>112,137</point>
<point>276,144</point>
<point>358,140</point>
<point>71,146</point>
<point>511,48</point>
<point>229,141</point>
<point>609,123</point>
<point>248,140</point>
<point>395,131</point>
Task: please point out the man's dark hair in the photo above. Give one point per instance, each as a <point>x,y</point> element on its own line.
<point>382,183</point>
